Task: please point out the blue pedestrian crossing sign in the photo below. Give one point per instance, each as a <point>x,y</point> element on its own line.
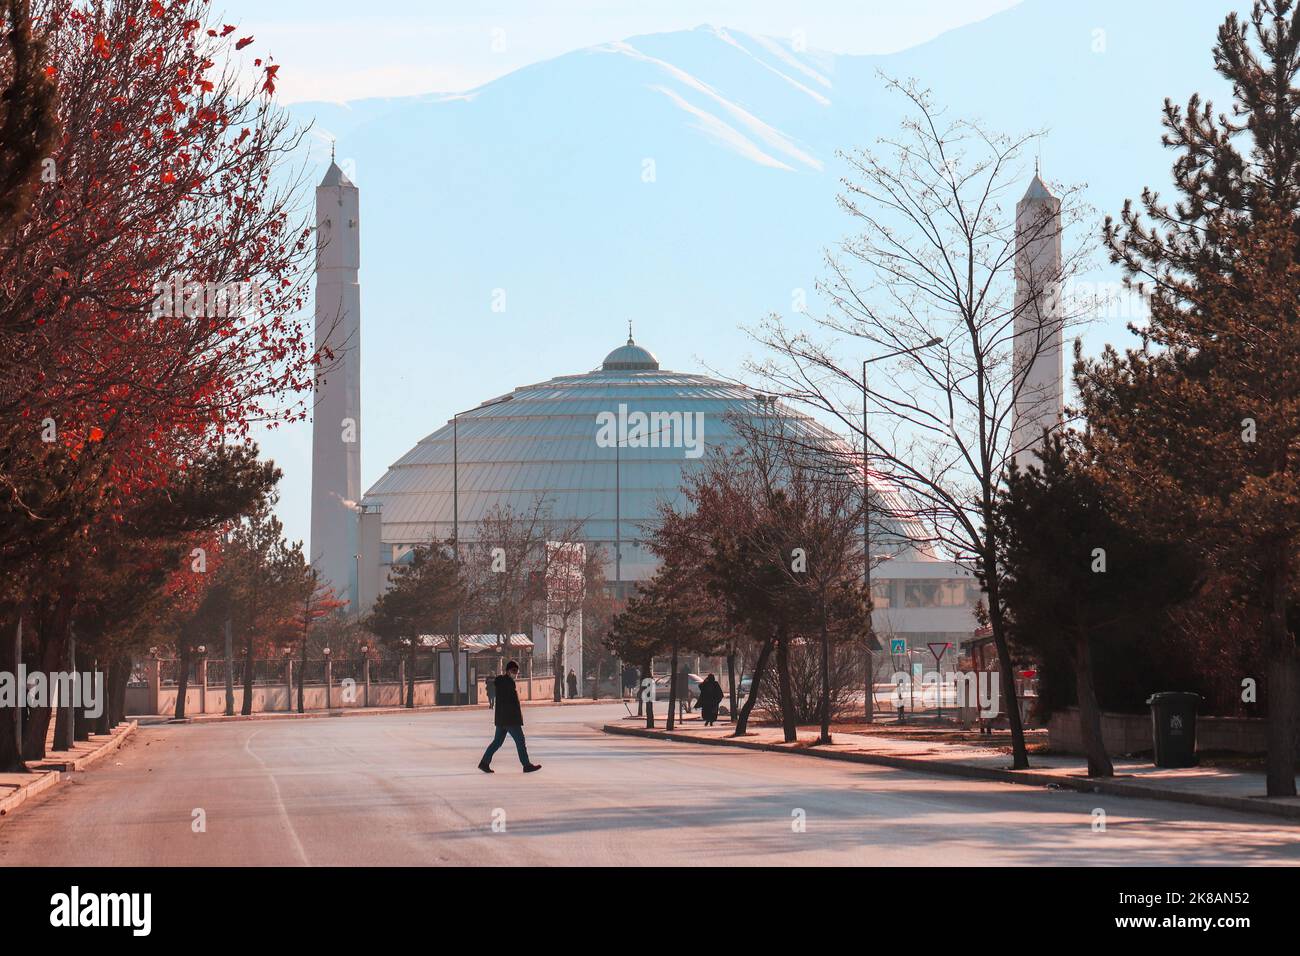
<point>897,645</point>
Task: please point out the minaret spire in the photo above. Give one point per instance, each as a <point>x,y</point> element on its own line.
<point>336,418</point>
<point>1039,334</point>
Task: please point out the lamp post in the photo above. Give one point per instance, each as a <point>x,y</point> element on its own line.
<point>866,516</point>
<point>455,536</point>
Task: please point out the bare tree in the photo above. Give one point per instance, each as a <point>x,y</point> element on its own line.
<point>566,590</point>
<point>941,253</point>
<point>503,566</point>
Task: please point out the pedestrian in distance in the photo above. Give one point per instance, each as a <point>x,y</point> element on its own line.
<point>491,687</point>
<point>573,684</point>
<point>710,698</point>
<point>509,719</point>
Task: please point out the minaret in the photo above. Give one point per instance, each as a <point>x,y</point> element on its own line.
<point>1039,399</point>
<point>336,421</point>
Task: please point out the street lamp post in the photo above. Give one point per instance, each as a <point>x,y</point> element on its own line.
<point>866,517</point>
<point>455,539</point>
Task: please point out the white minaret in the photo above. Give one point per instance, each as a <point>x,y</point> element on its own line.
<point>336,422</point>
<point>1039,399</point>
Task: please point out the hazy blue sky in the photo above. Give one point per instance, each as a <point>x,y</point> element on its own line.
<point>344,49</point>
<point>536,186</point>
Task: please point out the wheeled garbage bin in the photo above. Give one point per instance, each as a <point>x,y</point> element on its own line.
<point>1173,728</point>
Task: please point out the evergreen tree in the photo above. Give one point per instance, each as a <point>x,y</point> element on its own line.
<point>1199,427</point>
<point>1077,581</point>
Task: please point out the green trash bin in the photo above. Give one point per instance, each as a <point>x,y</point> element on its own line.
<point>1173,728</point>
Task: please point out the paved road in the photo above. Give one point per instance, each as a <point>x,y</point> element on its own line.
<point>404,790</point>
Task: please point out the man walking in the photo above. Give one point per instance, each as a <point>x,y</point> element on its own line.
<point>509,720</point>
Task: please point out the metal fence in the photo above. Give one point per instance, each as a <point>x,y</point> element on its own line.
<point>273,671</point>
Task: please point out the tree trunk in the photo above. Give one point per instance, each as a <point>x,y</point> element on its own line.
<point>81,725</point>
<point>247,707</point>
<point>11,743</point>
<point>731,680</point>
<point>640,702</point>
<point>595,681</point>
<point>825,737</point>
<point>870,685</point>
<point>742,721</point>
<point>36,727</point>
<point>788,724</point>
<point>115,677</point>
<point>183,681</point>
<point>36,730</point>
<point>1283,688</point>
<point>645,694</point>
<point>672,689</point>
<point>557,668</point>
<point>1094,745</point>
<point>410,678</point>
<point>120,676</point>
<point>1020,756</point>
<point>65,719</point>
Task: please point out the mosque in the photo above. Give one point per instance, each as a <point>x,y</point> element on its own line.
<point>572,440</point>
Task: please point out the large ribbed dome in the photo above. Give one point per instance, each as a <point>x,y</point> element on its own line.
<point>546,439</point>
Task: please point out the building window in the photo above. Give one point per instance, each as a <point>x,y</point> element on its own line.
<point>949,592</point>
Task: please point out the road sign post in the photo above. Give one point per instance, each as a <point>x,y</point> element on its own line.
<point>937,650</point>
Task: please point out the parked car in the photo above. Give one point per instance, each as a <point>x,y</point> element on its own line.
<point>692,687</point>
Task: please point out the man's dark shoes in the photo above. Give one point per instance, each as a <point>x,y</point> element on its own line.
<point>532,767</point>
<point>485,768</point>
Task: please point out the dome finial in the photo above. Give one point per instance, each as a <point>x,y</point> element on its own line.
<point>629,333</point>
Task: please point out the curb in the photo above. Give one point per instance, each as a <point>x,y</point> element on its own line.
<point>40,782</point>
<point>1029,778</point>
<point>356,712</point>
<point>51,773</point>
<point>114,742</point>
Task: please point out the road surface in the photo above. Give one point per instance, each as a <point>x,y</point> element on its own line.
<point>403,789</point>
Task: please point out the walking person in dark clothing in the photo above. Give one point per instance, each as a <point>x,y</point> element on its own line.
<point>710,698</point>
<point>509,719</point>
<point>573,685</point>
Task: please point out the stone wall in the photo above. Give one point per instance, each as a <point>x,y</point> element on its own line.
<point>1131,733</point>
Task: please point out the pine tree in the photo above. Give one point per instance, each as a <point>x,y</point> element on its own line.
<point>1200,427</point>
<point>1077,579</point>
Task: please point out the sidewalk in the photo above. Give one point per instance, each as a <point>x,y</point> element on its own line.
<point>17,788</point>
<point>1206,786</point>
<point>362,711</point>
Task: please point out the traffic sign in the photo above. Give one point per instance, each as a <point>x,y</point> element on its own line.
<point>897,645</point>
<point>938,650</point>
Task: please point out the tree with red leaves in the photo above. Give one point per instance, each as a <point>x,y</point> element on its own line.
<point>27,107</point>
<point>151,300</point>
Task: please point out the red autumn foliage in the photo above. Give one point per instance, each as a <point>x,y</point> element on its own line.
<point>152,303</point>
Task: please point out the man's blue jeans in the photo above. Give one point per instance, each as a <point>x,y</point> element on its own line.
<point>515,732</point>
